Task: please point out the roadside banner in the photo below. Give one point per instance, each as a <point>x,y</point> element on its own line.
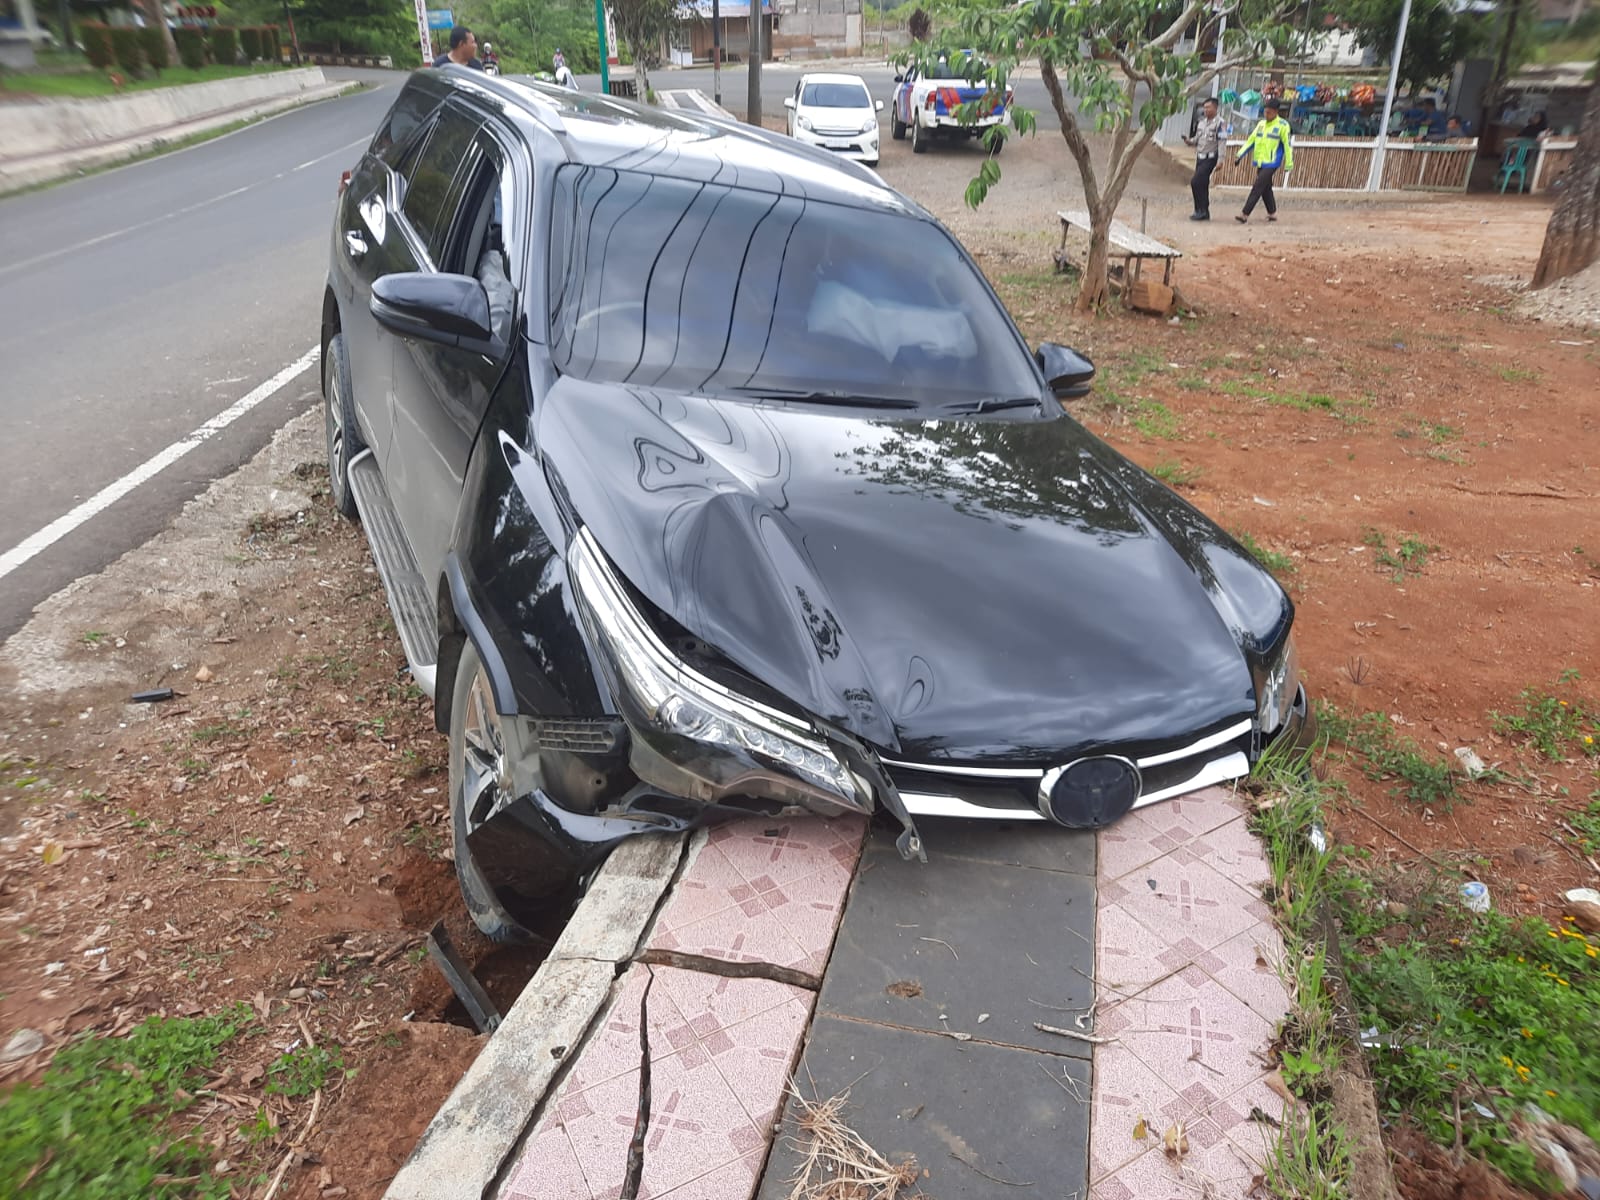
<point>423,39</point>
<point>441,18</point>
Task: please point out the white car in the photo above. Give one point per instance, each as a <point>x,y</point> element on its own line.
<point>837,113</point>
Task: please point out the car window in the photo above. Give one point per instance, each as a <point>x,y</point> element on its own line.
<point>698,287</point>
<point>835,95</point>
<point>411,110</point>
<point>426,198</point>
<point>477,243</point>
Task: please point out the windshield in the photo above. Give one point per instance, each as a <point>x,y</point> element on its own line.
<point>696,287</point>
<point>945,69</point>
<point>835,95</point>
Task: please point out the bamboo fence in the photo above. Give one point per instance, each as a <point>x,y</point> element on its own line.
<point>1344,163</point>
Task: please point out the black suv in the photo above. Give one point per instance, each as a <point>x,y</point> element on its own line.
<point>706,474</point>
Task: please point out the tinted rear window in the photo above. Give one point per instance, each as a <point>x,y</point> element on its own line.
<point>835,95</point>
<point>694,287</point>
<point>429,190</point>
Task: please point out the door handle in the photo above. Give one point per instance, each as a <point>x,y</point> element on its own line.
<point>355,245</point>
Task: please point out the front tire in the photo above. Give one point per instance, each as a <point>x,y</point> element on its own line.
<point>897,128</point>
<point>342,434</point>
<point>919,136</point>
<point>479,774</point>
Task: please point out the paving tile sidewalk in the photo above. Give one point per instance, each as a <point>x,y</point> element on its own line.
<point>926,1013</point>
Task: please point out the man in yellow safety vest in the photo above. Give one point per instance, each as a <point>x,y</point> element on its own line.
<point>1269,148</point>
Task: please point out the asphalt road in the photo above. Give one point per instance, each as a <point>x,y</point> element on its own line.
<point>137,304</point>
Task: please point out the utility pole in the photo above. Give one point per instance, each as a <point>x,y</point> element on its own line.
<point>716,51</point>
<point>600,40</point>
<point>294,38</point>
<point>752,101</point>
<point>1375,174</point>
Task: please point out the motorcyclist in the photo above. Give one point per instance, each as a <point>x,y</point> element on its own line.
<point>491,60</point>
<point>564,77</point>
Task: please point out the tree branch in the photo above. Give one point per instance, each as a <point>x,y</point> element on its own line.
<point>1071,133</point>
<point>1169,39</point>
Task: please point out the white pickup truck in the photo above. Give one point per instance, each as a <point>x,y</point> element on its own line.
<point>927,104</point>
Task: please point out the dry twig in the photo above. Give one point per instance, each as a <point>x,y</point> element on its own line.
<point>1072,1033</point>
<point>837,1164</point>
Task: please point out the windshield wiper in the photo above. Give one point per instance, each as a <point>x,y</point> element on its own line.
<point>1000,403</point>
<point>855,399</point>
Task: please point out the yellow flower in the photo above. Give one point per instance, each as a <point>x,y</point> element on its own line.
<point>1523,1071</point>
<point>1451,1066</point>
<point>1549,1093</point>
<point>1564,704</point>
<point>1526,1032</point>
<point>1521,959</point>
<point>1588,740</point>
<point>1551,933</point>
<point>1591,951</point>
<point>1507,1060</point>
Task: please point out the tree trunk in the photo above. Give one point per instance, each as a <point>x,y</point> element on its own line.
<point>154,14</point>
<point>1094,290</point>
<point>1572,239</point>
<point>641,79</point>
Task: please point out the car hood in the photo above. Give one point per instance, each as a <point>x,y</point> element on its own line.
<point>982,589</point>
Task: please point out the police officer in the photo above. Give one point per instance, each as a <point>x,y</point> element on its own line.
<point>1269,148</point>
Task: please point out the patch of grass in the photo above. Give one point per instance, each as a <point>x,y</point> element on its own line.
<point>94,637</point>
<point>1386,755</point>
<point>1405,559</point>
<point>1139,366</point>
<point>1174,474</point>
<point>99,1123</point>
<point>92,82</point>
<point>1486,1007</point>
<point>301,1072</point>
<point>1312,1155</point>
<point>1518,375</point>
<point>218,731</point>
<point>1554,724</point>
<point>1587,826</point>
<point>1275,561</point>
<point>1155,420</point>
<point>1193,383</point>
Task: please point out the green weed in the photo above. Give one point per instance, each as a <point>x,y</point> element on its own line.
<point>1518,375</point>
<point>94,637</point>
<point>1155,420</point>
<point>1552,723</point>
<point>301,1072</point>
<point>1424,779</point>
<point>1484,1006</point>
<point>99,1121</point>
<point>1273,560</point>
<point>1406,558</point>
<point>1174,474</point>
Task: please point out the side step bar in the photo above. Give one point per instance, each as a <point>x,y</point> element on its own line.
<point>409,597</point>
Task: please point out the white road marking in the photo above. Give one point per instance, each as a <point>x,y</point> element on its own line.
<point>151,467</point>
<point>177,212</point>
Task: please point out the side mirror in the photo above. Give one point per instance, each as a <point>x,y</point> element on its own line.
<point>877,105</point>
<point>451,310</point>
<point>899,78</point>
<point>788,101</point>
<point>1066,371</point>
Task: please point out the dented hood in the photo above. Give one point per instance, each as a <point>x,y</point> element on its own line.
<point>1002,588</point>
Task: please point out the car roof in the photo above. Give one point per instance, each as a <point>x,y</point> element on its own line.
<point>604,131</point>
<point>827,77</point>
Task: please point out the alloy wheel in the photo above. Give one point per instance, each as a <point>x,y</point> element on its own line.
<point>486,771</point>
<point>333,422</point>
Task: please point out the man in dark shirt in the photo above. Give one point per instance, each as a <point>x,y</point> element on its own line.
<point>463,50</point>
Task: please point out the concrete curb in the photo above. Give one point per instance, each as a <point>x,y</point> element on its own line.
<point>31,170</point>
<point>479,1127</point>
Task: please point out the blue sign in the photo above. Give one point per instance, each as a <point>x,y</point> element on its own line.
<point>441,18</point>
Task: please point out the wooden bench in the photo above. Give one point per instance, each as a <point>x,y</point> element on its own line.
<point>1128,244</point>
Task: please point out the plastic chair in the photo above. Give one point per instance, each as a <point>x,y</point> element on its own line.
<point>1515,163</point>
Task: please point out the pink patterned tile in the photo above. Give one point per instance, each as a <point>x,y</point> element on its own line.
<point>1235,853</point>
<point>709,886</point>
<point>734,1181</point>
<point>1213,1167</point>
<point>548,1169</point>
<point>1127,957</point>
<point>712,1002</point>
<point>808,908</point>
<point>1185,817</point>
<point>1233,1117</point>
<point>1201,1039</point>
<point>757,1056</point>
<point>1174,900</point>
<point>1125,1092</point>
<point>1249,970</point>
<point>696,1125</point>
<point>738,935</point>
<point>1126,846</point>
<point>614,1047</point>
<point>776,852</point>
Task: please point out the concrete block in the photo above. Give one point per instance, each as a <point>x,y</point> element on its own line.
<point>621,901</point>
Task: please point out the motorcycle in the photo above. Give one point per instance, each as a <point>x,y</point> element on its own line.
<point>565,78</point>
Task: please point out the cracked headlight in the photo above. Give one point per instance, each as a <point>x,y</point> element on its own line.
<point>1277,688</point>
<point>675,699</point>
